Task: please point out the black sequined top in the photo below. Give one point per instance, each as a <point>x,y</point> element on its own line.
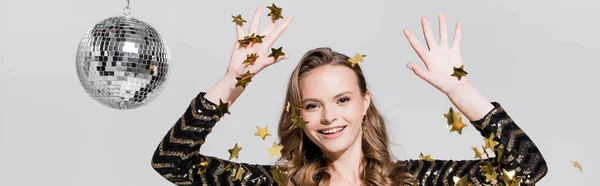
<point>177,157</point>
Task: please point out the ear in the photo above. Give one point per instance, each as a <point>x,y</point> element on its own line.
<point>366,101</point>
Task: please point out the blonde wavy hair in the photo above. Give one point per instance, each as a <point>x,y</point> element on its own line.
<point>303,160</point>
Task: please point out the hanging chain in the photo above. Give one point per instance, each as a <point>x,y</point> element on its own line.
<point>127,10</point>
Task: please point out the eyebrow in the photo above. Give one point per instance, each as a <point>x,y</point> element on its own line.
<point>336,96</point>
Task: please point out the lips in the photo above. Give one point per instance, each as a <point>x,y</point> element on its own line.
<point>332,130</point>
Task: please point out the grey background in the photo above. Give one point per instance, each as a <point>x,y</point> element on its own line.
<point>537,58</point>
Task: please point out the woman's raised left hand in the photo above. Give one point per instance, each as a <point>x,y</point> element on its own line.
<point>439,59</point>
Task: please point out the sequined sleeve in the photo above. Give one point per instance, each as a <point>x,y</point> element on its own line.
<point>519,154</point>
<point>177,158</point>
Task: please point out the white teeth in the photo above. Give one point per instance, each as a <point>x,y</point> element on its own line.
<point>333,130</point>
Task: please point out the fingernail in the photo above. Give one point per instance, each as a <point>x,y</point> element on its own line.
<point>409,67</point>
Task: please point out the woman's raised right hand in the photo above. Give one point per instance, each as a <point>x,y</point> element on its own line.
<point>242,54</point>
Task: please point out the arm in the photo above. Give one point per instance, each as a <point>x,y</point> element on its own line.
<point>177,158</point>
<point>520,154</point>
<point>515,152</point>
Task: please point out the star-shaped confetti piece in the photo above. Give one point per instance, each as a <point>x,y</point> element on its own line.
<point>278,175</point>
<point>238,20</point>
<point>357,58</point>
<point>223,107</point>
<point>459,72</point>
<point>509,178</point>
<point>458,125</point>
<point>296,118</point>
<point>477,153</point>
<point>452,116</point>
<point>250,59</point>
<point>262,132</point>
<point>275,150</point>
<point>299,122</point>
<point>463,181</point>
<point>426,158</point>
<point>275,53</point>
<point>577,165</point>
<point>244,79</point>
<point>239,173</point>
<point>275,12</point>
<point>202,166</point>
<point>235,152</point>
<point>490,142</point>
<point>489,171</point>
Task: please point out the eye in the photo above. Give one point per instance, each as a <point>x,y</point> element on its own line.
<point>344,99</point>
<point>310,106</point>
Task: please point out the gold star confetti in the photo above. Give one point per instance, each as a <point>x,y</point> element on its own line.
<point>251,39</point>
<point>202,166</point>
<point>223,107</point>
<point>509,178</point>
<point>228,168</point>
<point>577,165</point>
<point>426,158</point>
<point>258,39</point>
<point>238,20</point>
<point>278,175</point>
<point>296,118</point>
<point>275,53</point>
<point>477,153</point>
<point>275,12</point>
<point>299,122</point>
<point>489,171</point>
<point>500,154</point>
<point>250,59</point>
<point>452,116</point>
<point>287,107</point>
<point>244,79</point>
<point>458,125</point>
<point>235,152</point>
<point>262,132</point>
<point>485,152</point>
<point>463,181</point>
<point>239,173</point>
<point>490,143</point>
<point>275,150</point>
<point>357,58</point>
<point>459,72</point>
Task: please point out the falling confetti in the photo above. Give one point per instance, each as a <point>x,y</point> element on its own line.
<point>357,58</point>
<point>262,132</point>
<point>459,72</point>
<point>238,20</point>
<point>235,152</point>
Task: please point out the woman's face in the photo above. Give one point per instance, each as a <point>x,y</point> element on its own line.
<point>333,107</point>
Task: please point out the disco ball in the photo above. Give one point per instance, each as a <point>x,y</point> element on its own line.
<point>122,62</point>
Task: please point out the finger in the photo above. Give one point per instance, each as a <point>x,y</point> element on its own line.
<point>240,31</point>
<point>278,30</point>
<point>418,71</point>
<point>255,20</point>
<point>414,42</point>
<point>443,31</point>
<point>457,36</point>
<point>269,28</point>
<point>428,33</point>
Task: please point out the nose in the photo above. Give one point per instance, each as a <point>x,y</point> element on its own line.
<point>330,114</point>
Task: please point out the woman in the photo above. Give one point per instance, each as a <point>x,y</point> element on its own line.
<point>331,132</point>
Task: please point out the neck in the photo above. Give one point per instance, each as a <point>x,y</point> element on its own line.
<point>345,166</point>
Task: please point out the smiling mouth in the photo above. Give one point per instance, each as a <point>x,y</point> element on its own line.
<point>333,130</point>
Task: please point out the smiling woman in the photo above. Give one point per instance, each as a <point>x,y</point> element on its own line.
<point>332,133</point>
